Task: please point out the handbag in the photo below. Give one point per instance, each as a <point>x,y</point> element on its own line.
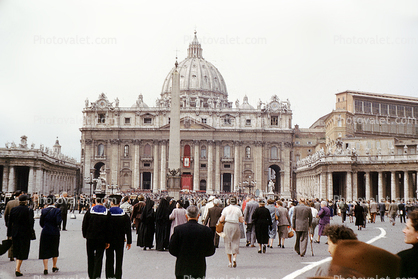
<point>220,227</point>
<point>33,236</point>
<point>290,233</point>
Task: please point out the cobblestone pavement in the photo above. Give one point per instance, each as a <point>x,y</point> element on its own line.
<point>276,263</point>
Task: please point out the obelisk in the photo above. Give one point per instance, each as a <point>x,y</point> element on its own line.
<point>174,175</point>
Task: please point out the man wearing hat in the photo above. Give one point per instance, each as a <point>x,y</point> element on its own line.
<point>120,227</point>
<point>214,213</point>
<point>10,204</point>
<point>95,230</point>
<point>208,205</point>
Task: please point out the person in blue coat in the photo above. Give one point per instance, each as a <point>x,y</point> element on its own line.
<point>50,222</point>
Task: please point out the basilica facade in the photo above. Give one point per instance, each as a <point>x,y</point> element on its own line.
<point>225,146</point>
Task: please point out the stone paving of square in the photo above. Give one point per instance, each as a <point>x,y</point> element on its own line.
<point>276,263</point>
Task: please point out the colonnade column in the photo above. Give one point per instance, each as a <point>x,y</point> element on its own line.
<point>380,186</point>
<point>236,166</point>
<point>329,190</point>
<point>368,187</point>
<point>355,186</point>
<point>392,185</point>
<point>31,180</point>
<point>136,159</point>
<point>196,167</point>
<point>209,182</point>
<point>11,185</point>
<point>4,178</point>
<point>217,167</point>
<point>406,193</point>
<point>163,180</point>
<point>39,181</point>
<point>155,176</point>
<point>349,193</point>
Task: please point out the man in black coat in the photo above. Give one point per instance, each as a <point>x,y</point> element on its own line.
<point>120,227</point>
<point>191,243</point>
<point>95,229</point>
<point>62,204</point>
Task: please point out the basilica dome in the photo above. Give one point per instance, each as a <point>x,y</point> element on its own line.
<point>198,77</point>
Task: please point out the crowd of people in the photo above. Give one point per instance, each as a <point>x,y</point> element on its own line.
<point>167,224</point>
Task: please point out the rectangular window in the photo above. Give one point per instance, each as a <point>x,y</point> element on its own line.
<point>227,166</point>
<point>202,166</point>
<point>147,165</point>
<point>392,110</point>
<point>309,142</point>
<point>297,142</point>
<point>367,107</point>
<point>358,106</point>
<point>274,120</point>
<point>127,120</point>
<point>401,111</point>
<point>248,122</point>
<point>376,110</point>
<point>101,118</point>
<point>204,120</point>
<point>384,109</point>
<point>227,120</point>
<point>408,111</point>
<point>147,120</point>
<point>415,112</point>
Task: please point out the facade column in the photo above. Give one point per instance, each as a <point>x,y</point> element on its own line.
<point>349,185</point>
<point>237,164</point>
<point>322,186</point>
<point>136,158</point>
<point>392,185</point>
<point>380,186</point>
<point>406,186</point>
<point>209,181</point>
<point>196,166</point>
<point>163,182</point>
<point>368,187</point>
<point>258,159</point>
<point>31,181</point>
<point>155,175</point>
<point>4,178</point>
<point>329,190</point>
<point>217,167</point>
<point>11,185</point>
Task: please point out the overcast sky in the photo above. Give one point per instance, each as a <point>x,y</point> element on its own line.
<point>55,54</point>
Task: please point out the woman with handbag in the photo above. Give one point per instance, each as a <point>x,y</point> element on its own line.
<point>283,223</point>
<point>20,229</point>
<point>232,216</point>
<point>50,221</point>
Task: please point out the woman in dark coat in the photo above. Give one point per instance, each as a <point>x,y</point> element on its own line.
<point>147,227</point>
<point>358,213</point>
<point>262,221</point>
<point>50,236</point>
<point>20,229</point>
<point>162,227</point>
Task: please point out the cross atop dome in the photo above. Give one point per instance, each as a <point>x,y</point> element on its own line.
<point>195,49</point>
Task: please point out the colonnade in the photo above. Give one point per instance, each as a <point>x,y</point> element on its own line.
<point>39,180</point>
<point>353,185</point>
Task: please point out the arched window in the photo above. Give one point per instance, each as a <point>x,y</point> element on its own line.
<point>248,152</point>
<point>203,152</point>
<point>126,151</point>
<point>100,150</point>
<point>227,151</point>
<point>273,152</point>
<point>147,150</point>
<point>187,150</point>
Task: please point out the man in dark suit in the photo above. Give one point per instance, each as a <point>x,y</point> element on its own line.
<point>191,243</point>
<point>95,230</point>
<point>382,208</point>
<point>214,213</point>
<point>251,206</point>
<point>10,204</point>
<point>120,227</point>
<point>302,220</point>
<point>62,204</point>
